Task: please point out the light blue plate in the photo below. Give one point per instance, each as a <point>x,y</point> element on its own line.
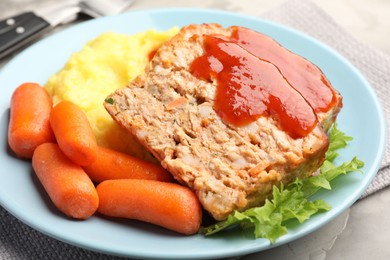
<point>22,195</point>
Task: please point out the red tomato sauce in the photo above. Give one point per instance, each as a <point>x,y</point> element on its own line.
<point>303,75</point>
<point>258,77</point>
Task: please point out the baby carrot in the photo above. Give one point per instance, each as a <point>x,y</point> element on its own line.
<point>29,124</point>
<point>73,132</point>
<point>166,204</point>
<point>67,185</point>
<point>111,164</point>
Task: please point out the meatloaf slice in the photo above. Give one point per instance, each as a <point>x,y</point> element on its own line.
<point>171,113</point>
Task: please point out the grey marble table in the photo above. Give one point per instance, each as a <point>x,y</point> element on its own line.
<point>362,232</point>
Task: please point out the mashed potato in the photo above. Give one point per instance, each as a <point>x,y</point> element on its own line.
<point>104,64</point>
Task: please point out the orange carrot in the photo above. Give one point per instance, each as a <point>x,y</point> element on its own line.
<point>111,164</point>
<point>176,103</point>
<point>67,185</point>
<point>73,132</point>
<point>166,204</point>
<point>29,124</point>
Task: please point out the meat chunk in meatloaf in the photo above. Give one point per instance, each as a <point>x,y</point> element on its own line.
<point>171,113</point>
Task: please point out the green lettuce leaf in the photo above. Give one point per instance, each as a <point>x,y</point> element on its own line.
<point>292,202</point>
<point>337,141</point>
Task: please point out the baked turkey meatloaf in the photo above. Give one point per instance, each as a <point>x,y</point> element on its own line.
<point>230,167</point>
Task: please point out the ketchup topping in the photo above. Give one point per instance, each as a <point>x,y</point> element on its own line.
<point>304,76</point>
<point>249,87</point>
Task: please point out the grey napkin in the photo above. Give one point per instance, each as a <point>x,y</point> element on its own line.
<point>19,241</point>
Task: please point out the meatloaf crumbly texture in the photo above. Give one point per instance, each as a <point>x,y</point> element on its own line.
<point>229,168</point>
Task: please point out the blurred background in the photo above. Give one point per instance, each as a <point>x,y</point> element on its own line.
<point>368,21</point>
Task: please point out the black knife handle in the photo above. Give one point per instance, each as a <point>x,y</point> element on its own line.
<point>9,23</point>
<point>17,31</point>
